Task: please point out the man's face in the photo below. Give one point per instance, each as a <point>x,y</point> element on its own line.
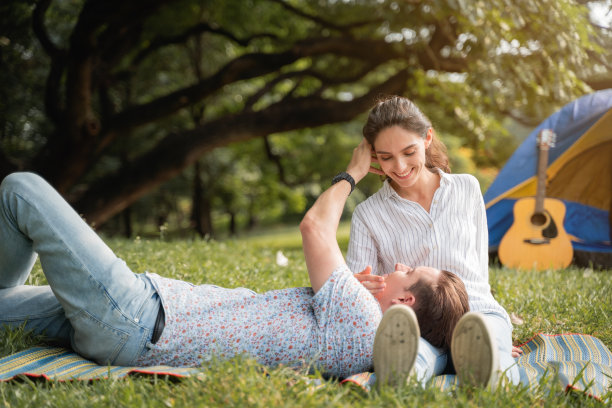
<point>399,282</point>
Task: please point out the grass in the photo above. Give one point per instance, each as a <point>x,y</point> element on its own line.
<point>573,300</point>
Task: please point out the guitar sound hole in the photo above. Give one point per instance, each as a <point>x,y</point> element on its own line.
<point>538,219</point>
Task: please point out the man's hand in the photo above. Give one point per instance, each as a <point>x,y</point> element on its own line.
<point>373,283</point>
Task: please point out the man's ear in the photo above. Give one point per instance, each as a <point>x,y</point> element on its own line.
<point>409,299</point>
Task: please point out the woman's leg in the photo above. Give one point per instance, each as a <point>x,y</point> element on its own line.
<point>111,310</point>
<point>502,331</point>
<point>482,350</point>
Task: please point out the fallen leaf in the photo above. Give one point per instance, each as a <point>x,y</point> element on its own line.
<point>516,319</point>
<point>281,259</point>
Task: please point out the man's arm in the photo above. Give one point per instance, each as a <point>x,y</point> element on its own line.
<point>362,253</point>
<point>320,223</point>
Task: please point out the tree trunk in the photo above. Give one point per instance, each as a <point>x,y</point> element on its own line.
<point>232,224</point>
<point>201,216</point>
<point>126,216</point>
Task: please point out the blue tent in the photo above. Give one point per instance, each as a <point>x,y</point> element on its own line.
<point>579,173</point>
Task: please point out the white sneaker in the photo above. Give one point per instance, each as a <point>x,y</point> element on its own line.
<point>474,351</point>
<point>396,345</point>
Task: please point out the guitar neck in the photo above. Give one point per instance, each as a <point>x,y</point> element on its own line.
<point>541,186</point>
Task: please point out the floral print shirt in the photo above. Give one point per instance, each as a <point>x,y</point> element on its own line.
<point>333,329</point>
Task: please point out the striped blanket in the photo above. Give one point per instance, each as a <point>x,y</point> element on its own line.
<point>60,364</point>
<point>579,362</point>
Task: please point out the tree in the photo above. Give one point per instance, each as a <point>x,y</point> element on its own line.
<point>120,80</point>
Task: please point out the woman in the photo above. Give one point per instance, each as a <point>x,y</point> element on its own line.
<point>113,316</point>
<point>423,215</point>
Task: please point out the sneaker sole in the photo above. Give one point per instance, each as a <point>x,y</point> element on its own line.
<point>396,345</point>
<point>474,352</point>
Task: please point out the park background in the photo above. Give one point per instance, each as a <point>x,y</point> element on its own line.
<point>193,135</point>
<point>216,118</point>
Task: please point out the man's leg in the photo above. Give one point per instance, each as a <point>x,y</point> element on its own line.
<point>111,310</point>
<point>396,345</point>
<point>36,309</point>
<point>400,352</point>
<point>431,361</point>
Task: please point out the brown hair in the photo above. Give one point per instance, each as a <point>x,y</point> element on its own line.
<point>399,111</point>
<point>439,306</point>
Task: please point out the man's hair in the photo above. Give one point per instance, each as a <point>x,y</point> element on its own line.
<point>439,306</point>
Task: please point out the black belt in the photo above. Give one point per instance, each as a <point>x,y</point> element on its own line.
<point>159,325</point>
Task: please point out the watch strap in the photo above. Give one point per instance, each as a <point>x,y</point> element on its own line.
<point>344,176</point>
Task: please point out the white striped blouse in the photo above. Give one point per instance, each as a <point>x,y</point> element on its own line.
<point>386,229</point>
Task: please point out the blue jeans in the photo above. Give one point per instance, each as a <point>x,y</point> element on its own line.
<point>94,301</point>
<point>432,361</point>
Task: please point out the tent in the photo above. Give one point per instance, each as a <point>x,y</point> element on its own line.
<point>579,173</point>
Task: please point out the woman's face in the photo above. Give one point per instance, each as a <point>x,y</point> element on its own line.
<point>399,282</point>
<point>401,155</point>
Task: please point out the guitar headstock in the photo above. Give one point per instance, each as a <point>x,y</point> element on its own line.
<point>546,139</point>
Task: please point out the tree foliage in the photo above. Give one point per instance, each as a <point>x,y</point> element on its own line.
<point>109,99</point>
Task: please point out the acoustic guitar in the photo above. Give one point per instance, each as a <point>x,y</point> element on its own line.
<point>537,239</point>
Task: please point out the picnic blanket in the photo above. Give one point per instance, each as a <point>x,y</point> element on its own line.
<point>579,362</point>
<point>60,364</point>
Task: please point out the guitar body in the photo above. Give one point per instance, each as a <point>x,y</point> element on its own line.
<point>536,240</point>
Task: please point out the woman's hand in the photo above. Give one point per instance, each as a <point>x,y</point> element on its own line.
<point>516,352</point>
<point>361,162</point>
<point>373,283</point>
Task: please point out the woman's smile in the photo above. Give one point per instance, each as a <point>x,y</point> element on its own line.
<point>405,174</point>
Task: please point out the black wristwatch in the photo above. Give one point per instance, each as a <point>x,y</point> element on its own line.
<point>344,176</point>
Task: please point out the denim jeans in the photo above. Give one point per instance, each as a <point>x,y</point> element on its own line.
<point>94,301</point>
<point>432,361</point>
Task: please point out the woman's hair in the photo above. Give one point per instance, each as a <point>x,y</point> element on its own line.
<point>399,111</point>
<point>439,306</point>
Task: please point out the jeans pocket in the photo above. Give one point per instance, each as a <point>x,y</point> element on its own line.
<point>95,339</point>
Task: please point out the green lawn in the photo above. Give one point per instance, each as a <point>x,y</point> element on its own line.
<point>573,300</point>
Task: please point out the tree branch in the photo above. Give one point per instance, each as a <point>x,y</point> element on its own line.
<point>38,26</point>
<point>113,193</point>
<point>57,56</point>
<point>249,66</point>
<point>599,58</point>
<point>113,17</point>
<point>193,31</point>
<point>345,79</point>
<point>324,23</point>
<point>444,35</point>
<point>599,84</point>
<point>53,103</point>
<point>276,159</point>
